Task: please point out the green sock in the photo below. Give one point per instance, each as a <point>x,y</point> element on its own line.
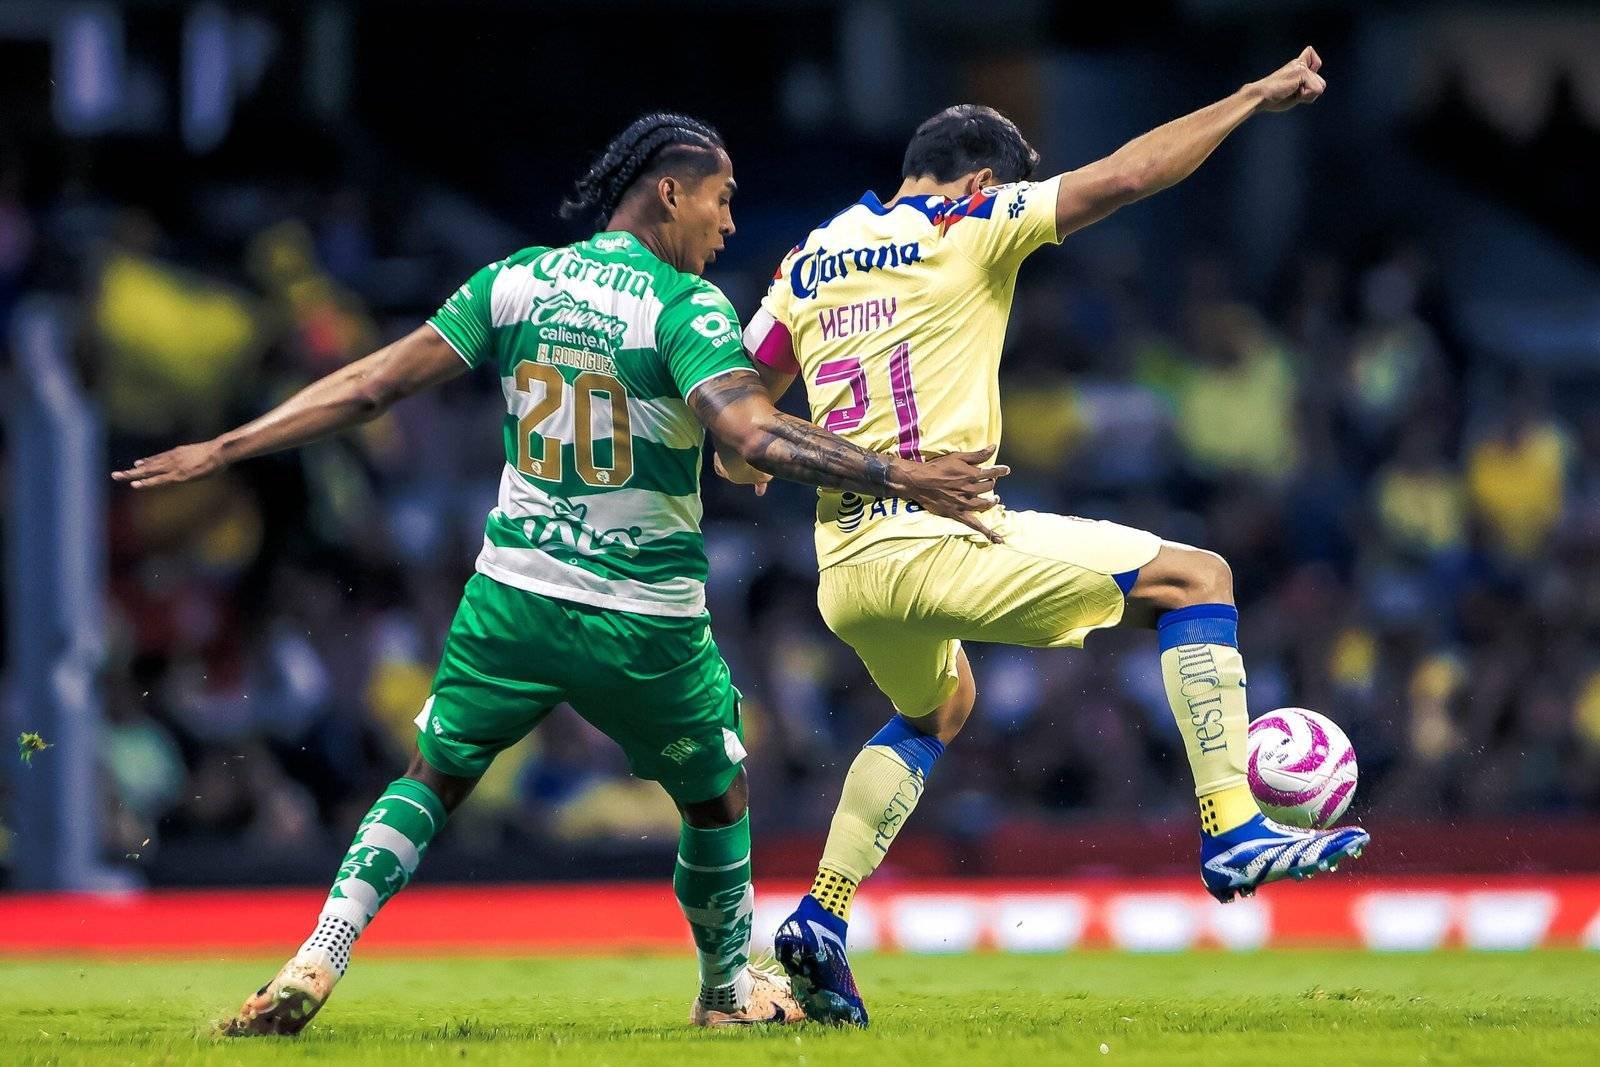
<point>712,883</point>
<point>386,850</point>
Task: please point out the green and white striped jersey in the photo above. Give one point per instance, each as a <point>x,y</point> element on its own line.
<point>597,345</point>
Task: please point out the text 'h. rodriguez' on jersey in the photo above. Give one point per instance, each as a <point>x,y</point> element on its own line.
<point>895,317</point>
<point>597,345</point>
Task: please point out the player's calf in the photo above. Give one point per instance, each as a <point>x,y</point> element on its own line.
<point>881,791</point>
<point>712,884</point>
<point>386,850</point>
<point>1191,593</point>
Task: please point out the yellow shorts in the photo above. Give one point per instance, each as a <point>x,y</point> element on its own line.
<point>906,612</point>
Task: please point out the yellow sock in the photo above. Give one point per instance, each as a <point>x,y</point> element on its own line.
<point>1204,676</point>
<point>879,794</point>
<point>1230,806</point>
<point>834,892</point>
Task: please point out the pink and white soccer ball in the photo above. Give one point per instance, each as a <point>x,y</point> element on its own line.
<point>1302,769</point>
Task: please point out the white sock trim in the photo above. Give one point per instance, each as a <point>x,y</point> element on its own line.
<point>351,911</point>
<point>414,804</point>
<point>735,996</point>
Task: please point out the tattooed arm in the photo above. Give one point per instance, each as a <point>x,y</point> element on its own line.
<point>747,429</point>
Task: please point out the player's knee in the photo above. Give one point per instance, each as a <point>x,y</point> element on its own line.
<point>1180,577</point>
<point>1212,581</point>
<point>450,789</point>
<point>966,696</point>
<point>719,811</point>
<point>946,721</point>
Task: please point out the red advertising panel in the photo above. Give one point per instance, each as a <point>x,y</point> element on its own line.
<point>1395,914</point>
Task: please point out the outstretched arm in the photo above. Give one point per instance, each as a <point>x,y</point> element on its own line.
<point>351,395</point>
<point>737,410</point>
<point>1168,154</point>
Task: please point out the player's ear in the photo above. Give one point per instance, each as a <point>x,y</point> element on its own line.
<point>667,189</point>
<point>981,180</point>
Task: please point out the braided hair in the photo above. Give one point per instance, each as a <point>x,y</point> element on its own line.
<point>657,143</point>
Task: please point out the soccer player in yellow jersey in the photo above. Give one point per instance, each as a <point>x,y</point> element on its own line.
<point>894,313</point>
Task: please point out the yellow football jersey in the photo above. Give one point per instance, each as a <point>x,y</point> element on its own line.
<point>895,317</point>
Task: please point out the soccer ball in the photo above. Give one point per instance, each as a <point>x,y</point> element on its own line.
<point>1302,769</point>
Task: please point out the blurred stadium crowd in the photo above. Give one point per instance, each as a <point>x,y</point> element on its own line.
<point>1414,535</point>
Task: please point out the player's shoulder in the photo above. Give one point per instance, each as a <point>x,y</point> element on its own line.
<point>680,292</point>
<point>521,257</point>
<point>701,307</point>
<point>1006,201</point>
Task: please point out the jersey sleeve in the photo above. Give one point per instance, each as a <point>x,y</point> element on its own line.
<point>1001,225</point>
<point>464,320</point>
<point>768,337</point>
<point>698,337</point>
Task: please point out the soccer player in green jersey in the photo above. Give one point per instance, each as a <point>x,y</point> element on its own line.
<point>614,356</point>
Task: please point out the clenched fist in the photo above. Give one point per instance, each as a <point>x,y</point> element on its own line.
<point>1296,82</point>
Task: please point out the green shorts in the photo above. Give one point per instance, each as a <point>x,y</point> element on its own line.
<point>657,686</point>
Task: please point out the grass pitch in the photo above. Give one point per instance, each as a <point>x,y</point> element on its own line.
<point>1200,1008</point>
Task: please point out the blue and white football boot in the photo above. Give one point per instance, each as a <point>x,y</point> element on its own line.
<point>810,946</point>
<point>1238,861</point>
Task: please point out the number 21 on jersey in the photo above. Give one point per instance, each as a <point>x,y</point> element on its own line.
<point>901,389</point>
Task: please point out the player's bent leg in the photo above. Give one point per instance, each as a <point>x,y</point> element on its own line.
<point>881,789</point>
<point>1189,593</point>
<point>387,848</point>
<point>712,884</point>
<point>659,687</point>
